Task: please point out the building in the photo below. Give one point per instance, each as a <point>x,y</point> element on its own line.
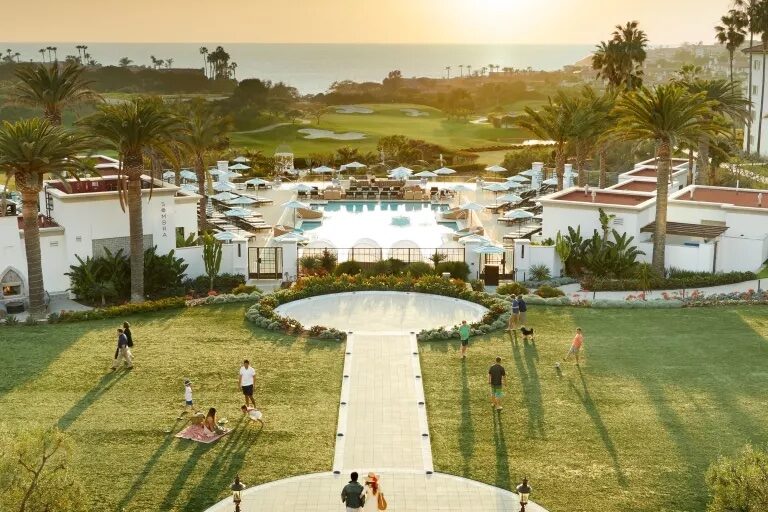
<point>756,137</point>
<point>84,218</point>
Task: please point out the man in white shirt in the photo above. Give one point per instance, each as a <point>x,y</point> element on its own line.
<point>247,374</point>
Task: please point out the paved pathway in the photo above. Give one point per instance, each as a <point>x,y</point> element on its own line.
<point>575,289</point>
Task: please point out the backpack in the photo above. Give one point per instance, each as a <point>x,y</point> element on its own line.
<point>382,502</point>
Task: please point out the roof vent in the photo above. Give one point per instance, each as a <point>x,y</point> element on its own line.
<point>760,199</point>
<point>586,189</point>
<point>594,196</point>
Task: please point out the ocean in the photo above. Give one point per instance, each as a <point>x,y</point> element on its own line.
<point>312,68</point>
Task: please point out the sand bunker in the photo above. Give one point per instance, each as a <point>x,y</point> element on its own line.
<point>352,109</point>
<point>414,112</point>
<point>313,133</point>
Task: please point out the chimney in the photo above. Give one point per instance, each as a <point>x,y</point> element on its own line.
<point>586,189</point>
<point>594,196</point>
<point>760,199</point>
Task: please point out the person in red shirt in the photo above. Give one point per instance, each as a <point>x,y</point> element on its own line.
<point>576,346</point>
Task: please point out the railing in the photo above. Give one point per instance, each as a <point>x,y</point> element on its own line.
<point>369,255</point>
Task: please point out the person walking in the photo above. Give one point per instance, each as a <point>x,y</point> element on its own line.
<point>523,307</point>
<point>497,378</point>
<point>353,494</point>
<point>188,403</point>
<point>576,346</point>
<point>464,332</point>
<point>374,498</point>
<point>128,333</point>
<point>514,317</point>
<point>247,375</point>
<point>122,354</point>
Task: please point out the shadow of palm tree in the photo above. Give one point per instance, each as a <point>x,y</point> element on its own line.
<point>525,364</point>
<point>96,392</point>
<point>466,429</point>
<point>594,414</point>
<point>502,454</point>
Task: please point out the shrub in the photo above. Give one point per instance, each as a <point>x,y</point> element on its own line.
<point>513,288</point>
<point>388,267</point>
<point>540,273</point>
<point>419,268</point>
<point>457,269</point>
<point>310,265</point>
<point>350,268</point>
<point>244,288</point>
<point>687,281</point>
<point>328,260</point>
<point>11,320</point>
<point>547,292</point>
<point>223,283</point>
<point>477,285</point>
<point>122,310</point>
<point>739,483</point>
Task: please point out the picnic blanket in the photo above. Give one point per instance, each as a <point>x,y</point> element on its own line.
<point>195,433</point>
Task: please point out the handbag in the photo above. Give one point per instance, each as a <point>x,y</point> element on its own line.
<point>382,502</point>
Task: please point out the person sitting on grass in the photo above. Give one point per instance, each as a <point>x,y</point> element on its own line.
<point>253,414</point>
<point>211,425</point>
<point>527,333</point>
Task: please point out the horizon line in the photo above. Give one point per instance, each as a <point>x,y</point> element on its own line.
<point>286,43</point>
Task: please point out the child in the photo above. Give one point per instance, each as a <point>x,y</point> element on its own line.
<point>514,317</point>
<point>253,414</point>
<point>188,404</point>
<point>576,345</point>
<point>464,332</point>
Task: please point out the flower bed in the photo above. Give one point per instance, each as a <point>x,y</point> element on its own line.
<point>263,313</point>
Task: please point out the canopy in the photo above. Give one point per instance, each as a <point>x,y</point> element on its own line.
<point>323,169</point>
<point>354,165</point>
<point>238,167</point>
<point>518,214</point>
<point>188,175</point>
<point>238,212</point>
<point>224,196</point>
<point>166,176</point>
<point>257,181</point>
<point>241,160</point>
<point>497,187</point>
<point>510,198</point>
<point>366,243</point>
<point>223,186</point>
<point>302,187</point>
<point>495,168</point>
<point>445,170</point>
<point>513,185</point>
<point>226,236</point>
<point>241,201</point>
<point>295,205</point>
<point>519,178</point>
<point>488,249</point>
<point>230,174</point>
<point>400,173</point>
<point>425,174</point>
<point>471,206</point>
<point>474,239</point>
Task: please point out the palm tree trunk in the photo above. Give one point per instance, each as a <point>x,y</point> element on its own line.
<point>580,170</point>
<point>201,186</point>
<point>36,288</point>
<point>730,64</point>
<point>560,166</point>
<point>749,94</point>
<point>603,166</point>
<point>762,102</point>
<point>53,116</point>
<point>662,196</point>
<point>706,171</point>
<point>691,177</point>
<point>133,169</point>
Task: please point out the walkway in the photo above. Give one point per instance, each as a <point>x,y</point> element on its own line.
<point>575,289</point>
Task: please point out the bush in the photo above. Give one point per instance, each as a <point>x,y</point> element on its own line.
<point>513,288</point>
<point>457,269</point>
<point>123,310</point>
<point>680,280</point>
<point>419,269</point>
<point>739,483</point>
<point>547,292</point>
<point>389,267</point>
<point>477,285</point>
<point>328,260</point>
<point>540,273</point>
<point>244,288</point>
<point>11,320</point>
<point>350,268</point>
<point>555,281</point>
<point>222,283</point>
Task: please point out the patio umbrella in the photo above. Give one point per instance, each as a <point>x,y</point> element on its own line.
<point>323,169</point>
<point>400,173</point>
<point>238,212</point>
<point>474,239</point>
<point>291,237</point>
<point>241,160</point>
<point>513,185</point>
<point>238,167</point>
<point>518,214</point>
<point>445,171</point>
<point>169,175</point>
<point>495,168</point>
<point>496,188</point>
<point>186,174</point>
<point>189,187</point>
<point>216,172</point>
<point>519,178</point>
<point>302,187</point>
<point>225,236</point>
<point>257,181</point>
<point>485,250</point>
<point>425,174</point>
<point>295,205</point>
<point>230,174</point>
<point>510,198</point>
<point>224,196</point>
<point>459,188</point>
<point>549,181</point>
<point>471,206</point>
<point>353,165</point>
<point>223,186</point>
<point>528,172</point>
<point>241,201</point>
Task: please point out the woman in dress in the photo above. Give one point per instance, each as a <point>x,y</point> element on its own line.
<point>210,425</point>
<point>372,490</point>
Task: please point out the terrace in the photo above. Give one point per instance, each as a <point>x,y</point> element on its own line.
<point>725,196</point>
<point>603,197</point>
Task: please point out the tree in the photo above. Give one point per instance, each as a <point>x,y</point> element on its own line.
<point>745,7</point>
<point>52,88</point>
<point>740,483</point>
<point>29,150</point>
<point>620,60</point>
<point>204,53</point>
<point>667,114</point>
<point>732,34</point>
<point>131,129</point>
<point>125,62</point>
<point>36,472</point>
<point>211,256</point>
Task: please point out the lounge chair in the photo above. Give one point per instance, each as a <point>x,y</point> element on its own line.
<point>280,229</point>
<point>307,213</point>
<point>454,214</point>
<point>476,230</point>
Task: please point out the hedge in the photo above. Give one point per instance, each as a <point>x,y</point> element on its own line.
<point>115,311</point>
<point>672,283</point>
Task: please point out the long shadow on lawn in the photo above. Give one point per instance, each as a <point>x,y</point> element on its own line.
<point>531,386</point>
<point>502,454</point>
<point>96,392</point>
<point>591,408</point>
<point>174,489</point>
<point>466,430</point>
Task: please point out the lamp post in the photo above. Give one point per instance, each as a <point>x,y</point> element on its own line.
<point>524,490</point>
<point>237,489</point>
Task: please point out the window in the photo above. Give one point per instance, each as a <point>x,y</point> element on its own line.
<point>756,65</point>
<point>754,90</point>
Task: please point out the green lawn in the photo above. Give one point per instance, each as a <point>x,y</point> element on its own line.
<point>662,394</point>
<point>59,374</point>
<point>387,119</point>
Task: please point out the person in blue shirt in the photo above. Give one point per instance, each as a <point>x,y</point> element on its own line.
<point>123,352</point>
<point>514,317</point>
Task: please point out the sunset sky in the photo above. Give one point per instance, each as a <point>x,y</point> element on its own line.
<point>356,21</point>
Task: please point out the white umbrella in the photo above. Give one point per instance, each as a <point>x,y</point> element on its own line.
<point>167,175</point>
<point>223,186</point>
<point>188,175</point>
<point>323,169</point>
<point>302,187</point>
<point>225,236</point>
<point>238,212</point>
<point>241,160</point>
<point>510,198</point>
<point>518,214</point>
<point>189,187</point>
<point>528,172</point>
<point>241,201</point>
<point>484,250</point>
<point>497,187</point>
<point>549,181</point>
<point>354,165</point>
<point>513,185</point>
<point>295,205</point>
<point>238,167</point>
<point>400,173</point>
<point>471,206</point>
<point>217,172</point>
<point>474,239</point>
<point>495,168</point>
<point>459,188</point>
<point>224,196</point>
<point>425,174</point>
<point>230,174</point>
<point>291,237</point>
<point>445,171</point>
<point>257,182</point>
<point>519,178</point>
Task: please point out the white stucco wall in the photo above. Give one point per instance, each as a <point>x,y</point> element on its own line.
<point>231,261</point>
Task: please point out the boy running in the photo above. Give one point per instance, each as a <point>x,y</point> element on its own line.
<point>464,332</point>
<point>576,345</point>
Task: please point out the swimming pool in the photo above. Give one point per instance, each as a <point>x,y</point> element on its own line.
<point>385,222</point>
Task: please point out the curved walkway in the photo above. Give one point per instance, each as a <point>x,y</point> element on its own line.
<point>575,289</point>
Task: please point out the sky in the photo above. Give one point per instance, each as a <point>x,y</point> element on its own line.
<point>357,21</point>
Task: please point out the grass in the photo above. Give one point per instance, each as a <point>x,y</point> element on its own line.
<point>59,375</point>
<point>662,395</point>
<point>387,119</point>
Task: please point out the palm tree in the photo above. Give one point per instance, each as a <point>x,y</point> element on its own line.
<point>745,6</point>
<point>469,69</point>
<point>728,106</point>
<point>55,55</point>
<point>553,122</point>
<point>448,71</point>
<point>201,133</point>
<point>29,150</point>
<point>461,70</point>
<point>590,120</point>
<point>732,34</point>
<point>41,51</point>
<point>667,114</point>
<point>53,88</point>
<point>170,63</point>
<point>204,53</point>
<point>619,61</point>
<point>132,129</point>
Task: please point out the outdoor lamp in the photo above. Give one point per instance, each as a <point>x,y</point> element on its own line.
<point>237,489</point>
<point>524,490</point>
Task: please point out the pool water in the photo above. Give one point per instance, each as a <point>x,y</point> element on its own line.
<point>385,222</point>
